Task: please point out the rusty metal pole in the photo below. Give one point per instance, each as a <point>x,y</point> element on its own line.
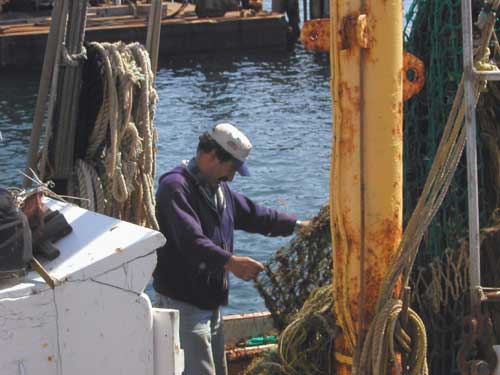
<point>366,174</point>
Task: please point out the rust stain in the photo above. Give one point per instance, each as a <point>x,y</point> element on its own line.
<point>315,35</point>
<point>45,345</point>
<point>382,242</point>
<point>387,234</point>
<point>49,358</point>
<point>353,234</point>
<point>373,281</point>
<point>350,96</point>
<point>347,145</point>
<point>348,30</point>
<point>397,131</point>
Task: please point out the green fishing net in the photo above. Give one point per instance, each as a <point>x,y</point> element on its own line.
<point>440,281</point>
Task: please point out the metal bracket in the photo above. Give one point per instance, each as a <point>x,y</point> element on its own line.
<point>477,343</point>
<point>355,31</point>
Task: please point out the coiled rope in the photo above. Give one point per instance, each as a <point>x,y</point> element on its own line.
<point>116,177</point>
<point>305,346</point>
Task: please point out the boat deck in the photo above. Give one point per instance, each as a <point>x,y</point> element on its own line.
<point>23,35</point>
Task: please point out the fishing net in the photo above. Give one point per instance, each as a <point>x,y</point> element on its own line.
<point>296,287</point>
<point>297,269</point>
<point>433,34</point>
<point>439,281</point>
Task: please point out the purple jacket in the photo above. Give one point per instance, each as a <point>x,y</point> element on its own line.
<point>199,236</point>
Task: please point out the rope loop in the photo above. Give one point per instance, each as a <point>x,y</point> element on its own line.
<point>73,60</point>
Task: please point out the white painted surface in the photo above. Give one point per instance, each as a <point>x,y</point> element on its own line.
<point>27,335</point>
<point>98,321</point>
<point>169,357</point>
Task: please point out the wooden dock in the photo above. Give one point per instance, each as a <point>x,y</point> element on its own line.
<point>23,36</point>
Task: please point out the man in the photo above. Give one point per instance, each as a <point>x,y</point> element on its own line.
<point>198,212</point>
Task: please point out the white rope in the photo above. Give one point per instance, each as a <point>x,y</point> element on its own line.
<point>123,141</point>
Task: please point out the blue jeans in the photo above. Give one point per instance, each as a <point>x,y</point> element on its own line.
<point>202,337</point>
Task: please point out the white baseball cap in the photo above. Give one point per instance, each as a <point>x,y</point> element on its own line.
<point>235,142</point>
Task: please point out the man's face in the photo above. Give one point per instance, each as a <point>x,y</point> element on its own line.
<point>225,170</point>
<point>216,170</point>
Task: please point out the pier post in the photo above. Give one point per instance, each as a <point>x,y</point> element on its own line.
<point>366,173</point>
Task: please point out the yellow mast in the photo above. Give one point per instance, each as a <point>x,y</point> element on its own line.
<point>366,174</point>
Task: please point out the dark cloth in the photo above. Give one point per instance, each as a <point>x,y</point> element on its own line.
<point>199,231</point>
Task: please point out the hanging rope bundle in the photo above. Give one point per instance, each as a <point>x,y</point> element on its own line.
<point>116,171</point>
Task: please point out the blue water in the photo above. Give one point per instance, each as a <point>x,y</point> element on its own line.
<point>281,100</point>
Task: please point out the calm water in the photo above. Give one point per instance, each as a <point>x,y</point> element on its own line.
<point>280,100</point>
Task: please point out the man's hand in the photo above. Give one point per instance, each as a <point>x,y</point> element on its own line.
<point>244,268</point>
<point>301,225</point>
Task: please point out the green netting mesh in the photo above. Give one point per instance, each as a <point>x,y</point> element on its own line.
<point>434,35</point>
<point>440,279</point>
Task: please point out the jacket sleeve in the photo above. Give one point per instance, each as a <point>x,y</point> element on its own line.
<point>254,218</point>
<point>181,225</point>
